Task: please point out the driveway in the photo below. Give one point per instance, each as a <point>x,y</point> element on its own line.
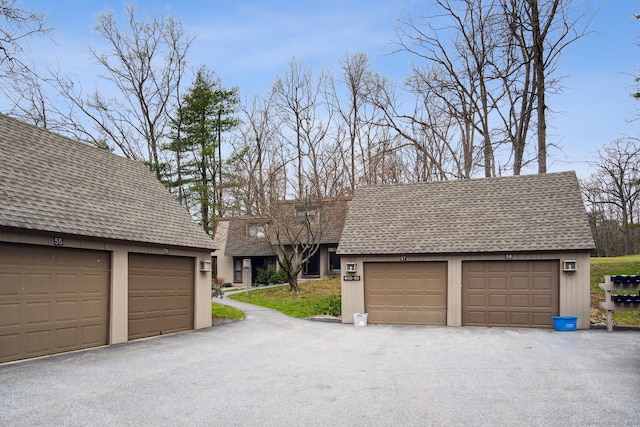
<point>271,370</point>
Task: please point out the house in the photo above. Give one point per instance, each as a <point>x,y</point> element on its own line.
<point>253,238</point>
<point>93,249</point>
<point>508,252</point>
<point>241,238</point>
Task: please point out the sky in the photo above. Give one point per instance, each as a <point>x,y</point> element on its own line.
<point>247,43</point>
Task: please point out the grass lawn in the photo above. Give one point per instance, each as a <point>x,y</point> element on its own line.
<point>601,267</point>
<point>317,297</point>
<point>223,312</point>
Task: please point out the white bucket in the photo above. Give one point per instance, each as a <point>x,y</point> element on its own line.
<point>359,319</point>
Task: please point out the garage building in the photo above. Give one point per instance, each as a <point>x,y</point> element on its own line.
<point>93,249</point>
<point>505,252</point>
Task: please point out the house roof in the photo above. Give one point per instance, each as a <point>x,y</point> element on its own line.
<point>508,214</point>
<point>239,244</point>
<point>331,213</point>
<point>52,183</point>
<point>331,217</point>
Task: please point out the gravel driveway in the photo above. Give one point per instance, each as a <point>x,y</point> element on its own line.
<point>272,370</point>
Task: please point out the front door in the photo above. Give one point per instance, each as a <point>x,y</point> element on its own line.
<point>312,267</point>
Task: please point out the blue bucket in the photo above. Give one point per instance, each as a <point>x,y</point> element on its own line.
<point>565,323</point>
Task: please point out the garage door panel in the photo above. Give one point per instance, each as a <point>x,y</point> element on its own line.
<point>477,317</point>
<point>519,282</point>
<point>520,318</point>
<point>476,268</point>
<point>497,318</point>
<point>36,285</point>
<point>160,295</point>
<point>10,286</point>
<point>514,267</point>
<point>494,268</point>
<point>11,346</point>
<point>66,311</point>
<point>39,343</point>
<point>38,313</point>
<point>431,284</point>
<point>406,293</point>
<point>182,302</point>
<point>9,315</point>
<point>540,320</point>
<point>520,301</point>
<point>498,283</point>
<point>542,283</point>
<point>543,267</point>
<point>497,300</point>
<point>66,338</point>
<point>477,283</point>
<point>541,301</point>
<point>376,300</point>
<point>475,300</point>
<point>529,299</point>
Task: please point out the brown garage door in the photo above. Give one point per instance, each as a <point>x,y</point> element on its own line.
<point>160,295</point>
<point>510,293</point>
<point>410,293</point>
<point>52,300</point>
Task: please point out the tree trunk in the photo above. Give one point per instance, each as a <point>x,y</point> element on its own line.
<point>538,65</point>
<point>220,213</point>
<point>293,283</point>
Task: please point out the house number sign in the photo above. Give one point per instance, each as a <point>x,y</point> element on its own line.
<point>58,241</point>
<point>351,278</point>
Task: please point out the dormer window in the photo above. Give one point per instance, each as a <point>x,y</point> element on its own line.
<point>306,217</point>
<point>256,231</point>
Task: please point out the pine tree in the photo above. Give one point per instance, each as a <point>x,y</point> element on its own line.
<point>206,112</point>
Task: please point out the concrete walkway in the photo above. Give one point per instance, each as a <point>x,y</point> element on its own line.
<point>272,370</point>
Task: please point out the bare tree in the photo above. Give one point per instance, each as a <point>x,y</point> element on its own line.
<point>617,170</point>
<point>259,157</point>
<point>355,72</point>
<point>298,98</point>
<point>540,31</point>
<point>411,132</point>
<point>295,230</point>
<point>459,44</point>
<point>143,69</point>
<point>20,82</point>
<point>492,62</point>
<point>604,218</point>
<point>17,25</point>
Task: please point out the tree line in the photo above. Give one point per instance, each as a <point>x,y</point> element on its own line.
<point>473,104</point>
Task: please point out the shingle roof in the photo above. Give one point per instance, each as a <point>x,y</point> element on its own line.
<point>240,244</point>
<point>513,214</point>
<point>52,183</point>
<point>332,213</point>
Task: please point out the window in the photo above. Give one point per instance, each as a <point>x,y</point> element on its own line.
<point>256,231</point>
<point>305,217</point>
<point>237,270</point>
<point>334,259</point>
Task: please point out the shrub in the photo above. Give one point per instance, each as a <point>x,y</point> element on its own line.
<point>269,276</point>
<point>216,291</point>
<point>278,277</point>
<point>264,275</point>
